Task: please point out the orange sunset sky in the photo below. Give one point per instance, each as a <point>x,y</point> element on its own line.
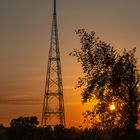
<point>25,28</point>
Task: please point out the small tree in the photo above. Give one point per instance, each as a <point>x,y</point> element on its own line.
<point>58,129</point>
<point>109,79</point>
<point>25,122</point>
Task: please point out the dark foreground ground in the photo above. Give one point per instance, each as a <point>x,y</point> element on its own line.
<point>60,133</point>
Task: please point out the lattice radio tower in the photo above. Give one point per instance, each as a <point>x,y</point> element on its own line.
<point>53,105</point>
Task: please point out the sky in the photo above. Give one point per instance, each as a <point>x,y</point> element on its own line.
<point>25,29</point>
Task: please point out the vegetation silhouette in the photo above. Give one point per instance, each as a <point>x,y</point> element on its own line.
<point>61,133</point>
<point>110,79</point>
<point>25,122</point>
<point>22,128</point>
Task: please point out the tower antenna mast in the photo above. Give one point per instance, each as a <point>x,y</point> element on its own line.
<point>53,104</point>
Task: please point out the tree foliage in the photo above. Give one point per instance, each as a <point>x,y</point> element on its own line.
<point>109,78</point>
<point>125,85</point>
<point>25,122</point>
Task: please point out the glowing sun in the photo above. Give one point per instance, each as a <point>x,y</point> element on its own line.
<point>112,107</point>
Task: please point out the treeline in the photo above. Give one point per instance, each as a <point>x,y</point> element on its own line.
<point>32,132</point>
<point>29,133</point>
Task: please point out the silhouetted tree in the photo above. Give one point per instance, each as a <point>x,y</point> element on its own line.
<point>125,85</point>
<point>23,128</point>
<point>58,129</point>
<point>34,121</point>
<point>25,121</point>
<point>110,79</point>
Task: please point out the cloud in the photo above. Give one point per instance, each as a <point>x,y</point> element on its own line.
<point>20,100</point>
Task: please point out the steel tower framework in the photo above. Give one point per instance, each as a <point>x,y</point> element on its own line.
<point>53,104</point>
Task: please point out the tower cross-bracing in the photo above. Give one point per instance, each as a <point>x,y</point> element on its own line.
<point>53,104</point>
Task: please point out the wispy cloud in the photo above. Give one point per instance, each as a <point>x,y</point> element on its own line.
<point>19,100</point>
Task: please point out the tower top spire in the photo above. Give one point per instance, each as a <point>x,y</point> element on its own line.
<point>54,6</point>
